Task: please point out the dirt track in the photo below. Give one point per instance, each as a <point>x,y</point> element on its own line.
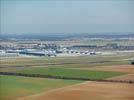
<point>88,91</point>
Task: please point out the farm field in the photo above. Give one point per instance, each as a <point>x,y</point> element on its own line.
<point>76,61</point>
<point>71,73</point>
<point>12,87</point>
<point>88,91</point>
<point>127,77</point>
<point>20,63</point>
<point>129,69</point>
<point>115,67</point>
<point>100,42</point>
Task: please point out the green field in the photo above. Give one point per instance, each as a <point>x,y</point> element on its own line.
<point>71,73</point>
<point>12,87</point>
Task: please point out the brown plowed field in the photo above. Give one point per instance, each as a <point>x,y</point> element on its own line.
<point>117,68</point>
<point>89,91</point>
<point>123,77</point>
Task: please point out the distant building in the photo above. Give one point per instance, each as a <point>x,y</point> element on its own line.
<point>35,52</point>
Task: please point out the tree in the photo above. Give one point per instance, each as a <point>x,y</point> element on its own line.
<point>132,63</point>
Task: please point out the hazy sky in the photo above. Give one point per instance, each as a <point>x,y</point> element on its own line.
<point>66,16</point>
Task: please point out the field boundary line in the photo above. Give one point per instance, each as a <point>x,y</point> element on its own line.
<point>65,78</point>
